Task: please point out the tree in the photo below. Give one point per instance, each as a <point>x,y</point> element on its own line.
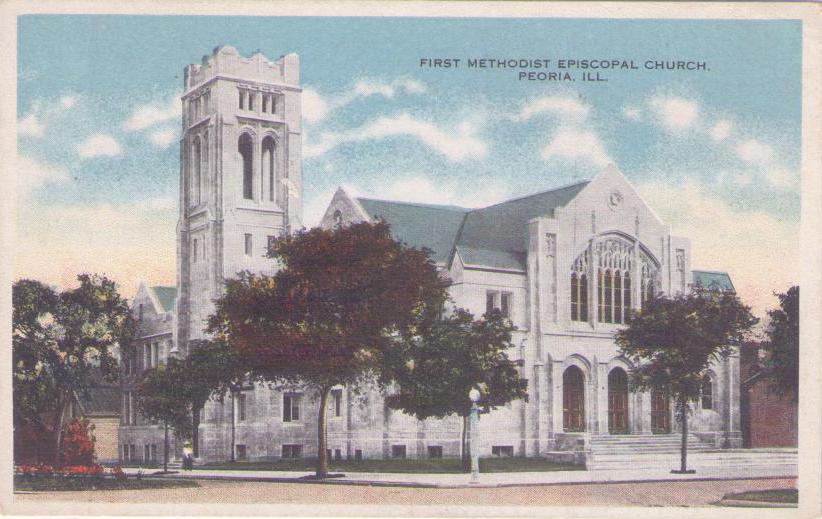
<point>161,398</point>
<point>61,344</point>
<point>210,370</point>
<point>782,344</point>
<point>673,341</point>
<point>436,367</point>
<point>340,300</point>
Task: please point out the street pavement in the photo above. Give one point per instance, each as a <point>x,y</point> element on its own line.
<point>498,479</point>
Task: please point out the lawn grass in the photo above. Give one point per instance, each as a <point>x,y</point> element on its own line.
<point>779,495</point>
<point>51,484</point>
<point>427,466</point>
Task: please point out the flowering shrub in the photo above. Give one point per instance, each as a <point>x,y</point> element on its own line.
<point>39,469</point>
<point>78,444</point>
<point>118,473</point>
<point>82,470</point>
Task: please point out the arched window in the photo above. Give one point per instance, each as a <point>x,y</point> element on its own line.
<point>613,279</point>
<point>579,288</point>
<point>204,177</point>
<point>198,167</point>
<point>270,166</point>
<point>626,294</point>
<point>246,149</point>
<point>707,392</point>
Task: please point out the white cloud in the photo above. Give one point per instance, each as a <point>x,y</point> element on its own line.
<point>30,126</point>
<point>759,250</point>
<point>314,107</point>
<point>755,152</point>
<point>721,130</point>
<point>150,114</point>
<point>317,107</point>
<point>34,123</point>
<point>782,177</point>
<point>163,137</point>
<point>33,174</point>
<point>632,113</point>
<point>567,107</point>
<point>457,144</point>
<point>68,101</point>
<point>576,145</point>
<point>98,145</point>
<point>675,113</point>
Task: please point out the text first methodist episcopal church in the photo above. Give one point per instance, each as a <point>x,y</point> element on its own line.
<point>564,265</point>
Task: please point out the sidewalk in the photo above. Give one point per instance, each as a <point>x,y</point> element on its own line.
<point>498,479</point>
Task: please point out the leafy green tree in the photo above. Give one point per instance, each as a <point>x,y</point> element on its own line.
<point>782,344</point>
<point>339,302</point>
<point>674,340</point>
<point>161,398</point>
<point>435,367</point>
<point>211,369</point>
<point>61,344</point>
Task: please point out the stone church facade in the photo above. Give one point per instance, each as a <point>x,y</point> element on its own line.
<point>566,266</point>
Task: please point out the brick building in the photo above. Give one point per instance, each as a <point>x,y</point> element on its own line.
<point>768,420</point>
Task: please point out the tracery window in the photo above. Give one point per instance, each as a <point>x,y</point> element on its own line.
<point>615,260</point>
<point>579,288</point>
<point>611,269</point>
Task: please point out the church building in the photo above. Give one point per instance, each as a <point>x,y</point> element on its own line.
<point>566,266</point>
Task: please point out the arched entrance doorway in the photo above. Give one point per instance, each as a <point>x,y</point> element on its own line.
<point>660,412</point>
<point>573,400</point>
<point>618,401</point>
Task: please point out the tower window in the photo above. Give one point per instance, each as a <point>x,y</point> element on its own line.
<point>248,244</point>
<point>194,250</point>
<point>265,103</point>
<point>270,173</point>
<point>245,147</point>
<point>242,100</point>
<point>251,101</point>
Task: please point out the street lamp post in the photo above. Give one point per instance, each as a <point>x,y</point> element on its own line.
<point>474,395</point>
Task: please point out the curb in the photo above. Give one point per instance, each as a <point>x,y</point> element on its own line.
<point>410,484</point>
<point>753,504</point>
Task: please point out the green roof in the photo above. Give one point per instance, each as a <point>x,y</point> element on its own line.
<point>166,296</point>
<point>420,225</point>
<point>495,236</point>
<point>712,280</point>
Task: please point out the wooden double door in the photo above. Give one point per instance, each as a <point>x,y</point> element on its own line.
<point>573,400</point>
<point>660,412</point>
<point>618,401</point>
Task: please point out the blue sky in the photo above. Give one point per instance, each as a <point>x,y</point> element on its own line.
<point>715,152</point>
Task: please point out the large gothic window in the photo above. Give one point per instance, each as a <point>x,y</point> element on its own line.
<point>245,147</point>
<point>614,279</point>
<point>270,166</point>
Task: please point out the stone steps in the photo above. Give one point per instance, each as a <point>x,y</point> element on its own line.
<point>663,451</point>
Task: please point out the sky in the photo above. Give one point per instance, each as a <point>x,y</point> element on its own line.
<point>714,152</point>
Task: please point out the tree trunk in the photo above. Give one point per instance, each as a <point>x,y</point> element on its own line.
<point>322,436</point>
<point>195,431</point>
<point>58,427</point>
<point>165,446</point>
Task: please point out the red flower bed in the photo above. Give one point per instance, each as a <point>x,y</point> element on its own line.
<point>42,470</point>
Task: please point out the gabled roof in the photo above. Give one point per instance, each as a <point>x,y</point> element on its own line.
<point>102,400</point>
<point>712,280</point>
<point>166,296</point>
<point>420,225</point>
<point>495,236</point>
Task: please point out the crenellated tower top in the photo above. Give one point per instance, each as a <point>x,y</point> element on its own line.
<point>227,63</point>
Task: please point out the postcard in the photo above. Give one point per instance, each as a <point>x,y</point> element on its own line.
<point>412,259</point>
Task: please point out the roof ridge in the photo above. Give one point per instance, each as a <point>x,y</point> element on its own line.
<point>523,197</point>
<point>416,204</point>
<point>712,271</point>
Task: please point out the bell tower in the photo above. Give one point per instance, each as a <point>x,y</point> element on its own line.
<point>240,174</point>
